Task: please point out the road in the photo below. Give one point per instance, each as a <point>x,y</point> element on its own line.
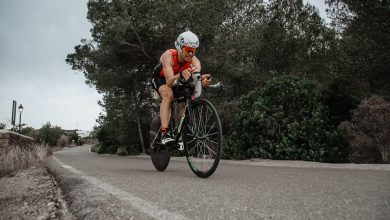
<point>237,190</point>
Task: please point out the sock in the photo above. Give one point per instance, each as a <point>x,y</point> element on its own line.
<point>163,131</point>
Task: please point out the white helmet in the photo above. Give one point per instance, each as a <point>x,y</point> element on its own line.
<point>188,39</point>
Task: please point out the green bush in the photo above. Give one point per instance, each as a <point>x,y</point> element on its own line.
<point>120,128</point>
<point>105,136</point>
<point>285,120</point>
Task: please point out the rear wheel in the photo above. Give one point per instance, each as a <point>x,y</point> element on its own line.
<point>202,138</point>
<point>160,157</point>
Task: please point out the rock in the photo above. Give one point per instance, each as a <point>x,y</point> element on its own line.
<point>122,151</point>
<point>9,138</point>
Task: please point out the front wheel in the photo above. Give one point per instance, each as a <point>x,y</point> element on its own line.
<point>202,138</point>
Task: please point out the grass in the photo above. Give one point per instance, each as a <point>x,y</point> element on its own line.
<point>13,158</point>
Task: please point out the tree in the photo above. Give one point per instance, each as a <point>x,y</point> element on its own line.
<point>281,37</point>
<point>115,60</point>
<point>48,135</point>
<point>364,49</point>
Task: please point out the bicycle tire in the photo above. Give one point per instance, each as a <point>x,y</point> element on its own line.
<point>160,157</point>
<point>202,137</point>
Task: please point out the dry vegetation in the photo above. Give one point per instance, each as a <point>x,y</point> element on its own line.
<point>369,131</point>
<point>17,157</point>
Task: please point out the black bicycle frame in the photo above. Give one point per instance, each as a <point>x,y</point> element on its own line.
<point>182,122</point>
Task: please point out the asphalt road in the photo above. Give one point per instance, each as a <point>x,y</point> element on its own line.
<point>105,186</point>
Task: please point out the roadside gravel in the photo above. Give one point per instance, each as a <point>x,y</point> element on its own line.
<point>31,193</point>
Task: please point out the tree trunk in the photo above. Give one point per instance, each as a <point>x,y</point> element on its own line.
<point>140,134</point>
<point>137,119</point>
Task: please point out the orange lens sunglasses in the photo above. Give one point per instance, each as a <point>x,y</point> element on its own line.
<point>188,49</point>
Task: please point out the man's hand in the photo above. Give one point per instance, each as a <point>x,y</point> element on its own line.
<point>206,80</point>
<point>187,73</point>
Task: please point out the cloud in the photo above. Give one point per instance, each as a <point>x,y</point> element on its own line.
<point>35,38</point>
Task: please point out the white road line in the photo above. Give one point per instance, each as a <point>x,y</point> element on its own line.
<point>143,206</point>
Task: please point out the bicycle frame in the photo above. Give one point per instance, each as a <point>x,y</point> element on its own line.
<point>176,130</point>
<point>182,121</point>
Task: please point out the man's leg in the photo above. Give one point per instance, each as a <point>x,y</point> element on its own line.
<point>165,108</point>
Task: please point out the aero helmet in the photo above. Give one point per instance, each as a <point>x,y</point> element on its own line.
<point>188,39</point>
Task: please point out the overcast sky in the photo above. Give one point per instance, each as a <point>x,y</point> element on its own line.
<point>35,37</point>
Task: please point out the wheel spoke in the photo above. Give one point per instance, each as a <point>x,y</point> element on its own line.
<point>192,149</point>
<point>209,149</point>
<point>209,135</point>
<point>212,126</point>
<point>189,142</point>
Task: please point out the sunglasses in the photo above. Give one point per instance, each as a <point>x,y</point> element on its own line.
<point>188,49</point>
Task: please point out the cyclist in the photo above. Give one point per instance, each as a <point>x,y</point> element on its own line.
<point>175,64</point>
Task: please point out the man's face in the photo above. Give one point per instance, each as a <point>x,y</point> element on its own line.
<point>188,53</point>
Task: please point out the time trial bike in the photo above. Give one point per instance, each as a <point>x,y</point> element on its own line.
<point>198,132</point>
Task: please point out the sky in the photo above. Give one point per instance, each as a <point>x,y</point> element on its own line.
<point>35,38</point>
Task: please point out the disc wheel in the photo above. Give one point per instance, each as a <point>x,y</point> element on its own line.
<point>202,138</point>
<point>160,157</point>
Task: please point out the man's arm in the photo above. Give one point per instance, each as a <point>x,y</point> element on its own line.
<point>206,78</point>
<point>196,63</point>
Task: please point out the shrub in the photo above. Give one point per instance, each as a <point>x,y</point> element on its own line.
<point>285,120</point>
<point>63,141</point>
<point>122,131</point>
<point>368,132</point>
<point>227,111</point>
<point>48,135</point>
<point>80,142</point>
<point>74,137</point>
<point>95,148</point>
<point>122,151</point>
<point>105,137</point>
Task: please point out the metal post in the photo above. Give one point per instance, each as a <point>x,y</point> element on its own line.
<point>20,108</point>
<point>20,119</point>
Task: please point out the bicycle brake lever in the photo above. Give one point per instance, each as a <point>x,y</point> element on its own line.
<point>216,86</point>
